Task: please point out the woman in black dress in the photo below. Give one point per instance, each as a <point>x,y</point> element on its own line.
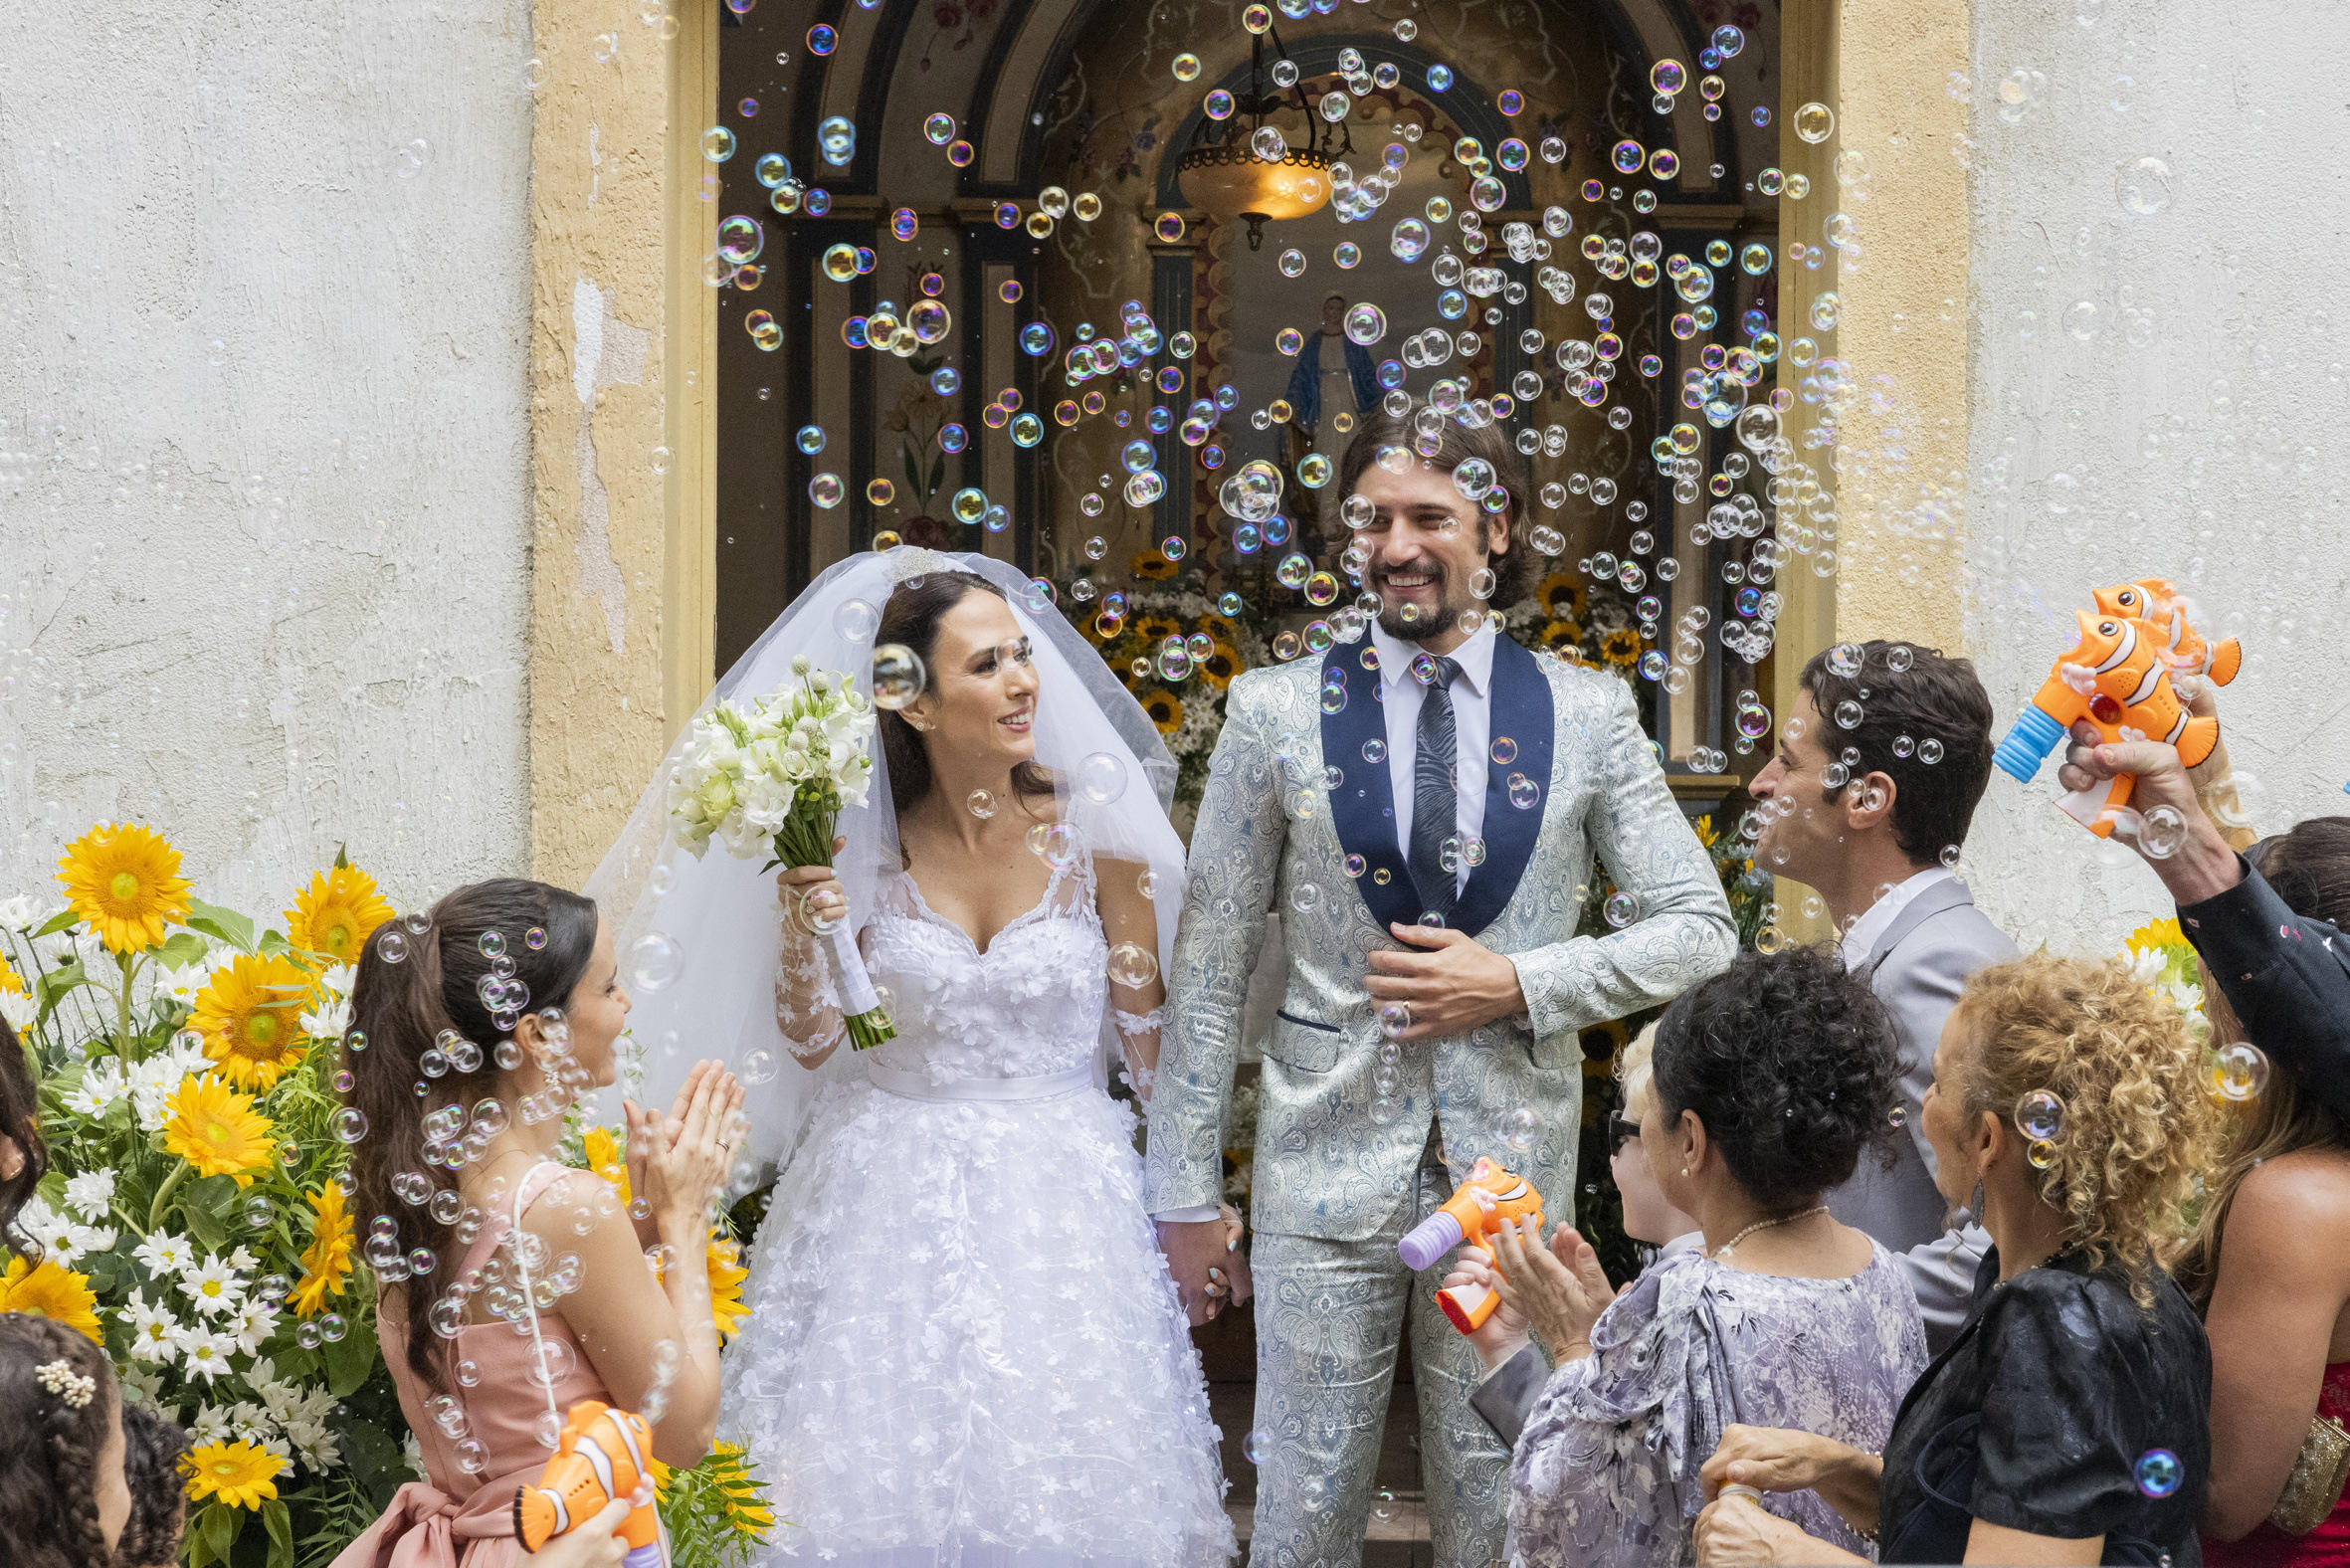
<point>2069,1422</point>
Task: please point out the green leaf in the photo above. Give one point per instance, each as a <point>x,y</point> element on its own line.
<point>342,857</point>
<point>280,1529</point>
<point>224,926</point>
<point>937,477</point>
<point>57,983</point>
<point>184,948</point>
<point>63,920</point>
<point>350,1360</point>
<point>218,1529</point>
<point>209,1230</point>
<point>913,475</point>
<point>374,1458</point>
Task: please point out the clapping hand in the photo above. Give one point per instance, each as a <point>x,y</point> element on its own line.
<point>675,1162</point>
<point>1561,1289</point>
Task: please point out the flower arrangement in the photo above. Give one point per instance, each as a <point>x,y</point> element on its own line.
<point>2163,961</point>
<point>771,778</point>
<point>193,1221</point>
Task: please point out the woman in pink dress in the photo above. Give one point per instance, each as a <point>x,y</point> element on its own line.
<point>474,1027</point>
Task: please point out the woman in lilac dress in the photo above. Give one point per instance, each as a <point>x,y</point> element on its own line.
<point>1771,1082</point>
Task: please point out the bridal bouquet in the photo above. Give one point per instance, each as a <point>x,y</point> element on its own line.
<point>770,779</point>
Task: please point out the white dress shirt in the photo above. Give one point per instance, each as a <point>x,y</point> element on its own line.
<point>1472,728</point>
<point>1882,913</point>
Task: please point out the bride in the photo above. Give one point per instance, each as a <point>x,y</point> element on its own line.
<point>963,1345</point>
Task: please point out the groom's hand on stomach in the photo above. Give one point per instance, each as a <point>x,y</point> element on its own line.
<point>1453,984</point>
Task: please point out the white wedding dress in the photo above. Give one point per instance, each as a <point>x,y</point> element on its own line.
<point>964,1346</point>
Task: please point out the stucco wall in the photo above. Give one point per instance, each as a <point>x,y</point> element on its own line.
<point>265,519</point>
<point>2155,393</point>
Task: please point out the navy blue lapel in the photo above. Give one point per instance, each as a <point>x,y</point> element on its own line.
<point>1521,712</point>
<point>1362,807</point>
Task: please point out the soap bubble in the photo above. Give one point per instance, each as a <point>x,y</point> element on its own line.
<point>855,621</point>
<point>898,675</point>
<point>1366,323</point>
<point>1102,778</point>
<point>2161,832</point>
<point>1620,908</point>
<point>1394,1019</point>
<point>717,145</point>
<point>1815,123</point>
<point>1929,750</point>
<point>654,961</point>
<point>2143,186</point>
<point>1306,897</point>
<point>350,1125</point>
<point>2040,1117</point>
<point>1132,965</point>
<point>758,1067</point>
<point>2239,1072</point>
<point>1292,263</point>
<point>1257,1446</point>
<point>981,803</point>
<point>1847,714</point>
<point>2159,1472</point>
<point>391,947</point>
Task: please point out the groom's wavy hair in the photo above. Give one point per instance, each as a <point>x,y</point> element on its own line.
<point>911,620</point>
<point>420,993</point>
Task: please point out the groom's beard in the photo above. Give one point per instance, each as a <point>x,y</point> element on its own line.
<point>1444,617</point>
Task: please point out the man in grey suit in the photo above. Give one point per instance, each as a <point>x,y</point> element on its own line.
<point>1424,805</point>
<point>1880,766</point>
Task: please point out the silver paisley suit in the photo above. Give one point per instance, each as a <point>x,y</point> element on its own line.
<point>1334,1186</point>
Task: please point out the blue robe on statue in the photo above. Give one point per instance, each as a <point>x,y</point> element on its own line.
<point>1305,382</point>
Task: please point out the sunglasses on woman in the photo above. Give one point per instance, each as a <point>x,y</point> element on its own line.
<point>1621,1132</point>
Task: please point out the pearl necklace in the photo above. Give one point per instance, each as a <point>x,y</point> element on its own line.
<point>1724,1250</point>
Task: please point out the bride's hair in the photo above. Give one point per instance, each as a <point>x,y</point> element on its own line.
<point>421,992</point>
<point>911,620</point>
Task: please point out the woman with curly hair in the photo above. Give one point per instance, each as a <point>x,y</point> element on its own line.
<point>2069,1421</point>
<point>23,1156</point>
<point>1769,1084</point>
<point>62,1499</point>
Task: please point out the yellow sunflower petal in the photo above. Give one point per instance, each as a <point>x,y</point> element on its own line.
<point>240,1475</point>
<point>124,884</point>
<point>249,1015</point>
<point>326,1262</point>
<point>217,1130</point>
<point>45,1290</point>
<point>332,918</point>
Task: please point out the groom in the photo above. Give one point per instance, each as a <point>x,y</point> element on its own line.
<point>1441,863</point>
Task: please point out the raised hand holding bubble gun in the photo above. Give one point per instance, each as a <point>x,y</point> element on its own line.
<point>2115,680</point>
<point>1490,1196</point>
<point>603,1456</point>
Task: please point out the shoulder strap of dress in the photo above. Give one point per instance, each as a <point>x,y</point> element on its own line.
<point>532,1187</point>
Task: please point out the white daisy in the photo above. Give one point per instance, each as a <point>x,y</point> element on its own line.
<point>45,1225</point>
<point>251,1423</point>
<point>210,1426</point>
<point>214,1286</point>
<point>21,914</point>
<point>314,1442</point>
<point>207,1352</point>
<point>19,1008</point>
<point>253,1327</point>
<point>330,1019</point>
<point>181,985</point>
<point>164,1253</point>
<point>144,1386</point>
<point>102,1084</point>
<point>90,1193</point>
<point>155,1333</point>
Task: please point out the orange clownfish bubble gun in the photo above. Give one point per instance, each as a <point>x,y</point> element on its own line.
<point>2116,678</point>
<point>2158,602</point>
<point>603,1453</point>
<point>1490,1196</point>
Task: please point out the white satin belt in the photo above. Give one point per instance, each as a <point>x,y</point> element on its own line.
<point>1045,1086</point>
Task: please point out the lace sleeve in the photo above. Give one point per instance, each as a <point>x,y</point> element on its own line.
<point>806,1004</point>
<point>1138,1044</point>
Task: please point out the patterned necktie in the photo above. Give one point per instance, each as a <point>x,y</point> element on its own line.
<point>1436,801</point>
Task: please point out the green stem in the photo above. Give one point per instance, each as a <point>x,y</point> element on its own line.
<point>128,963</point>
<point>163,1194</point>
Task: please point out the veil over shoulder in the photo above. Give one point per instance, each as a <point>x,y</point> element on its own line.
<point>698,936</point>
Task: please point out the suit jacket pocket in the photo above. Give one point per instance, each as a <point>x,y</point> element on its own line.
<point>1303,1043</point>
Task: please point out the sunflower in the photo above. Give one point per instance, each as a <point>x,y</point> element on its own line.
<point>45,1290</point>
<point>1157,629</point>
<point>1704,827</point>
<point>1220,664</point>
<point>1165,710</point>
<point>721,1484</point>
<point>723,1261</point>
<point>2156,936</point>
<point>217,1130</point>
<point>328,1260</point>
<point>1151,566</point>
<point>10,980</point>
<point>126,882</point>
<point>334,917</point>
<point>1562,634</point>
<point>249,1015</point>
<point>1561,595</point>
<point>1221,626</point>
<point>241,1474</point>
<point>1619,647</point>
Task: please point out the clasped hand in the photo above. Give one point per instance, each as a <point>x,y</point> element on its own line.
<point>1558,1290</point>
<point>676,1161</point>
<point>1453,985</point>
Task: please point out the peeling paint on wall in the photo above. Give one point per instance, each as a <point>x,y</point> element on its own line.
<point>594,327</point>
